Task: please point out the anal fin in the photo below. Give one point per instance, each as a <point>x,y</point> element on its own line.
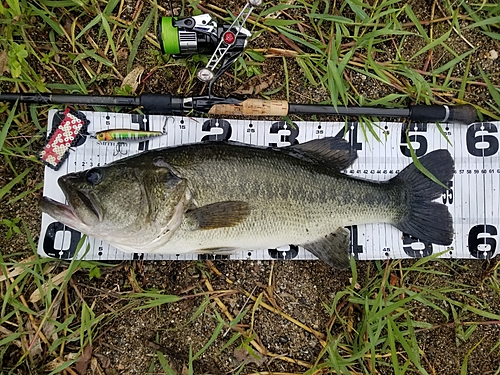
<point>333,249</point>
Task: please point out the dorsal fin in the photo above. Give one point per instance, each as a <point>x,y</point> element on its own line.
<point>336,152</point>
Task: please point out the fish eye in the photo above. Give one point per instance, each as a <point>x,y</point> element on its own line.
<point>93,176</point>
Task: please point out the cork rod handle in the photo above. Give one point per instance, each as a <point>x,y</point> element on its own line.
<point>252,107</point>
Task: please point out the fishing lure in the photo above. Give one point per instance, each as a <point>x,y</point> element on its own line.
<point>121,135</point>
<point>125,135</point>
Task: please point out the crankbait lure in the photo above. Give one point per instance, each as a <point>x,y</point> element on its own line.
<point>125,135</point>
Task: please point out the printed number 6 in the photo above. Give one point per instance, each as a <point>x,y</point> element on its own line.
<point>482,144</point>
<point>482,242</point>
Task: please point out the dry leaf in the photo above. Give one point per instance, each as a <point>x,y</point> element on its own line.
<point>122,54</point>
<point>56,280</point>
<point>243,355</point>
<point>133,79</point>
<point>255,85</point>
<point>83,362</point>
<point>49,329</point>
<point>105,361</point>
<point>35,351</point>
<point>393,280</point>
<point>3,62</point>
<point>13,272</point>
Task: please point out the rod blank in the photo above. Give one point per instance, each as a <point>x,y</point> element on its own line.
<point>165,104</point>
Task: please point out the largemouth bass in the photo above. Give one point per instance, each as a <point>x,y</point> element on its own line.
<point>224,196</point>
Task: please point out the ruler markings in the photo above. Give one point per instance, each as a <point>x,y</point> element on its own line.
<point>472,195</point>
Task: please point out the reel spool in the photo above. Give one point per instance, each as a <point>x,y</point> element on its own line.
<point>181,37</point>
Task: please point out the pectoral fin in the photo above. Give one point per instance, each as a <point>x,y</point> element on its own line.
<point>217,215</point>
<point>332,249</point>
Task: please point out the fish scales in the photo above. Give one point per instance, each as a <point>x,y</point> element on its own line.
<point>291,201</point>
<point>224,196</point>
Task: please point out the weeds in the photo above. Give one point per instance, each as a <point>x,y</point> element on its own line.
<point>352,53</point>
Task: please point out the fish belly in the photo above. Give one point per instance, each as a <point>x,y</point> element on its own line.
<point>290,216</point>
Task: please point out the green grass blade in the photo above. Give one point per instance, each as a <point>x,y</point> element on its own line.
<point>26,193</point>
<point>452,63</point>
<point>432,44</point>
<point>413,17</point>
<point>494,92</point>
<point>392,345</point>
<point>278,8</point>
<point>164,364</point>
<point>419,165</point>
<point>7,188</point>
<point>216,333</point>
<point>139,37</point>
<point>279,23</point>
<point>90,25</point>
<point>485,22</point>
<point>6,126</point>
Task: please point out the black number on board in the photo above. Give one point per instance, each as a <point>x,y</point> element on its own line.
<point>284,254</point>
<point>447,195</point>
<point>355,247</point>
<point>213,257</point>
<point>351,130</point>
<point>142,122</point>
<point>480,141</point>
<point>420,139</point>
<point>415,248</point>
<point>60,241</point>
<point>481,241</point>
<point>291,138</point>
<point>213,123</point>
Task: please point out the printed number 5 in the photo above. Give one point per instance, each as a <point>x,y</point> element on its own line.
<point>420,139</point>
<point>448,194</point>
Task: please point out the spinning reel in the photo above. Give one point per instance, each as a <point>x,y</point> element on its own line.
<point>181,37</point>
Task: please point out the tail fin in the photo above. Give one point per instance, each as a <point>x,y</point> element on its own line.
<point>424,219</point>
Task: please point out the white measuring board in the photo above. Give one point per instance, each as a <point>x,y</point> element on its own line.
<point>473,198</point>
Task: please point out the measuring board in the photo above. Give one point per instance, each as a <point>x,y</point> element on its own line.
<point>473,196</point>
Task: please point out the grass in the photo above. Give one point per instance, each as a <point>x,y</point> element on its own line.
<point>375,324</point>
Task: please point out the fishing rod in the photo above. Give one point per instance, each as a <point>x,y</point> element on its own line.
<point>165,104</point>
<point>181,37</point>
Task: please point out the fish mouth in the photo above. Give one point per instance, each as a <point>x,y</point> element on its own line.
<point>89,203</point>
<point>81,209</point>
<point>60,211</point>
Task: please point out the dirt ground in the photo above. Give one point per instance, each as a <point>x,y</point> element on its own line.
<point>128,343</point>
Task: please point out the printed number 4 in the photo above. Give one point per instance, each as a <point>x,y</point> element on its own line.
<point>352,131</point>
